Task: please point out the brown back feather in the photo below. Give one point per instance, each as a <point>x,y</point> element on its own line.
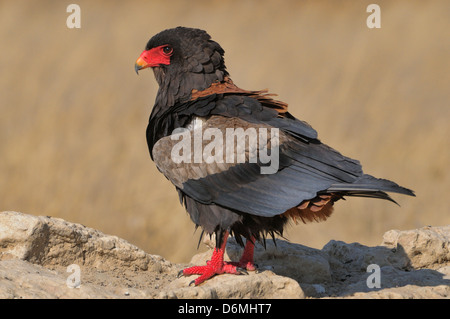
<point>228,87</point>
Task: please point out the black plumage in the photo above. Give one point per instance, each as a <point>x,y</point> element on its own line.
<point>222,198</point>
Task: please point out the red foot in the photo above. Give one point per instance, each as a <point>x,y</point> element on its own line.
<point>211,269</point>
<point>217,266</point>
<point>246,261</point>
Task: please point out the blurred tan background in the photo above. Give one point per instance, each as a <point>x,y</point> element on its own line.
<point>73,112</point>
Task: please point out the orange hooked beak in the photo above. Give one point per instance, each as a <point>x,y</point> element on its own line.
<point>141,63</point>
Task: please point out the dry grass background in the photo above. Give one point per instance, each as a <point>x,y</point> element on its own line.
<point>74,113</point>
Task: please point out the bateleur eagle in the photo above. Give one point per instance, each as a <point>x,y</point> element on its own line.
<point>234,195</point>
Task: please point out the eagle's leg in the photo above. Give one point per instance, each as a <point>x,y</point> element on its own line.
<point>246,261</point>
<point>215,266</point>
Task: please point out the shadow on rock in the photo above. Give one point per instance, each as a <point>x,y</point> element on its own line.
<point>408,264</point>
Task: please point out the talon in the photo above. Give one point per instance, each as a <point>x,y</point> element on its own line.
<point>216,265</point>
<point>241,271</point>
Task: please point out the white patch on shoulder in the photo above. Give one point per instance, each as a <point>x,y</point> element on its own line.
<point>195,123</point>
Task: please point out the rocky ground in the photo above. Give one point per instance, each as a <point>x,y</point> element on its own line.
<point>44,257</point>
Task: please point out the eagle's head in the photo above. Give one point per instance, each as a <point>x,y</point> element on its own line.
<point>182,59</point>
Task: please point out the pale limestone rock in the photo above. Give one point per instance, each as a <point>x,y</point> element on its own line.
<point>423,247</point>
<point>35,252</point>
<point>262,285</point>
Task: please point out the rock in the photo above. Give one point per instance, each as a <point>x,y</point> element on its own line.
<point>21,279</point>
<point>422,247</point>
<point>54,242</point>
<point>408,261</point>
<point>342,270</point>
<point>40,249</point>
<point>304,264</point>
<point>47,246</point>
<point>263,285</point>
<point>37,256</point>
<point>407,292</point>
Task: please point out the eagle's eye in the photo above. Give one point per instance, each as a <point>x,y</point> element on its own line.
<point>167,50</point>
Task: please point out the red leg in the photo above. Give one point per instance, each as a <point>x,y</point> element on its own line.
<point>215,266</point>
<point>246,261</point>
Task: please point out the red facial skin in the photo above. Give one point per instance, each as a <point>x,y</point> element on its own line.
<point>154,57</point>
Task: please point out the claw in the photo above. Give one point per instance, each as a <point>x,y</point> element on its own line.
<point>241,271</point>
<point>257,271</point>
<point>216,265</point>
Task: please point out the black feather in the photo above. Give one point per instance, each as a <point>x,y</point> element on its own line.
<point>240,199</point>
